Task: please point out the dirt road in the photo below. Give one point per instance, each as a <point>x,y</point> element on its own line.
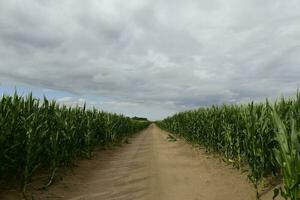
<point>152,168</point>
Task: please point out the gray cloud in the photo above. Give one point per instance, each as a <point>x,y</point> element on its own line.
<point>150,57</point>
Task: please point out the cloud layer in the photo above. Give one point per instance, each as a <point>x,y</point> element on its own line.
<point>150,57</point>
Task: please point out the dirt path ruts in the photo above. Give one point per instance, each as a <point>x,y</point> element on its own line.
<point>152,168</point>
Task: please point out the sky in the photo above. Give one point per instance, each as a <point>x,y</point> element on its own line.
<point>150,58</point>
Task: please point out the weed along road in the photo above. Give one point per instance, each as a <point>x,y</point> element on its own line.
<point>153,167</point>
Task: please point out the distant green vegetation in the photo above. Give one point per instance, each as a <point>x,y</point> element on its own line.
<point>263,136</point>
<point>140,118</point>
<point>42,134</point>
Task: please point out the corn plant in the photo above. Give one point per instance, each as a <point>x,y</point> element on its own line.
<point>42,134</point>
<point>287,155</point>
<point>244,134</point>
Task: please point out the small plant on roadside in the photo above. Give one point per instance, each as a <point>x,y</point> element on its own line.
<point>171,138</point>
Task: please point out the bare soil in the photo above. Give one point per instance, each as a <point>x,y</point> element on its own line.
<point>151,167</point>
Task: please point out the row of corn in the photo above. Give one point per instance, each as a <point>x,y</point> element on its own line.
<point>40,134</point>
<point>263,136</point>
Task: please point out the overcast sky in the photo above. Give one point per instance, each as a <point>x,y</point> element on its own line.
<point>151,58</point>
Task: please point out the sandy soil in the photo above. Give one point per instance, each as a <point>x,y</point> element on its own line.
<point>154,168</point>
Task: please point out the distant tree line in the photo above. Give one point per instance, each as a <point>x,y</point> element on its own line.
<point>140,118</point>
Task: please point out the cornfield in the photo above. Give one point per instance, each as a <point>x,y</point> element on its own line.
<point>263,136</point>
<point>38,134</point>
